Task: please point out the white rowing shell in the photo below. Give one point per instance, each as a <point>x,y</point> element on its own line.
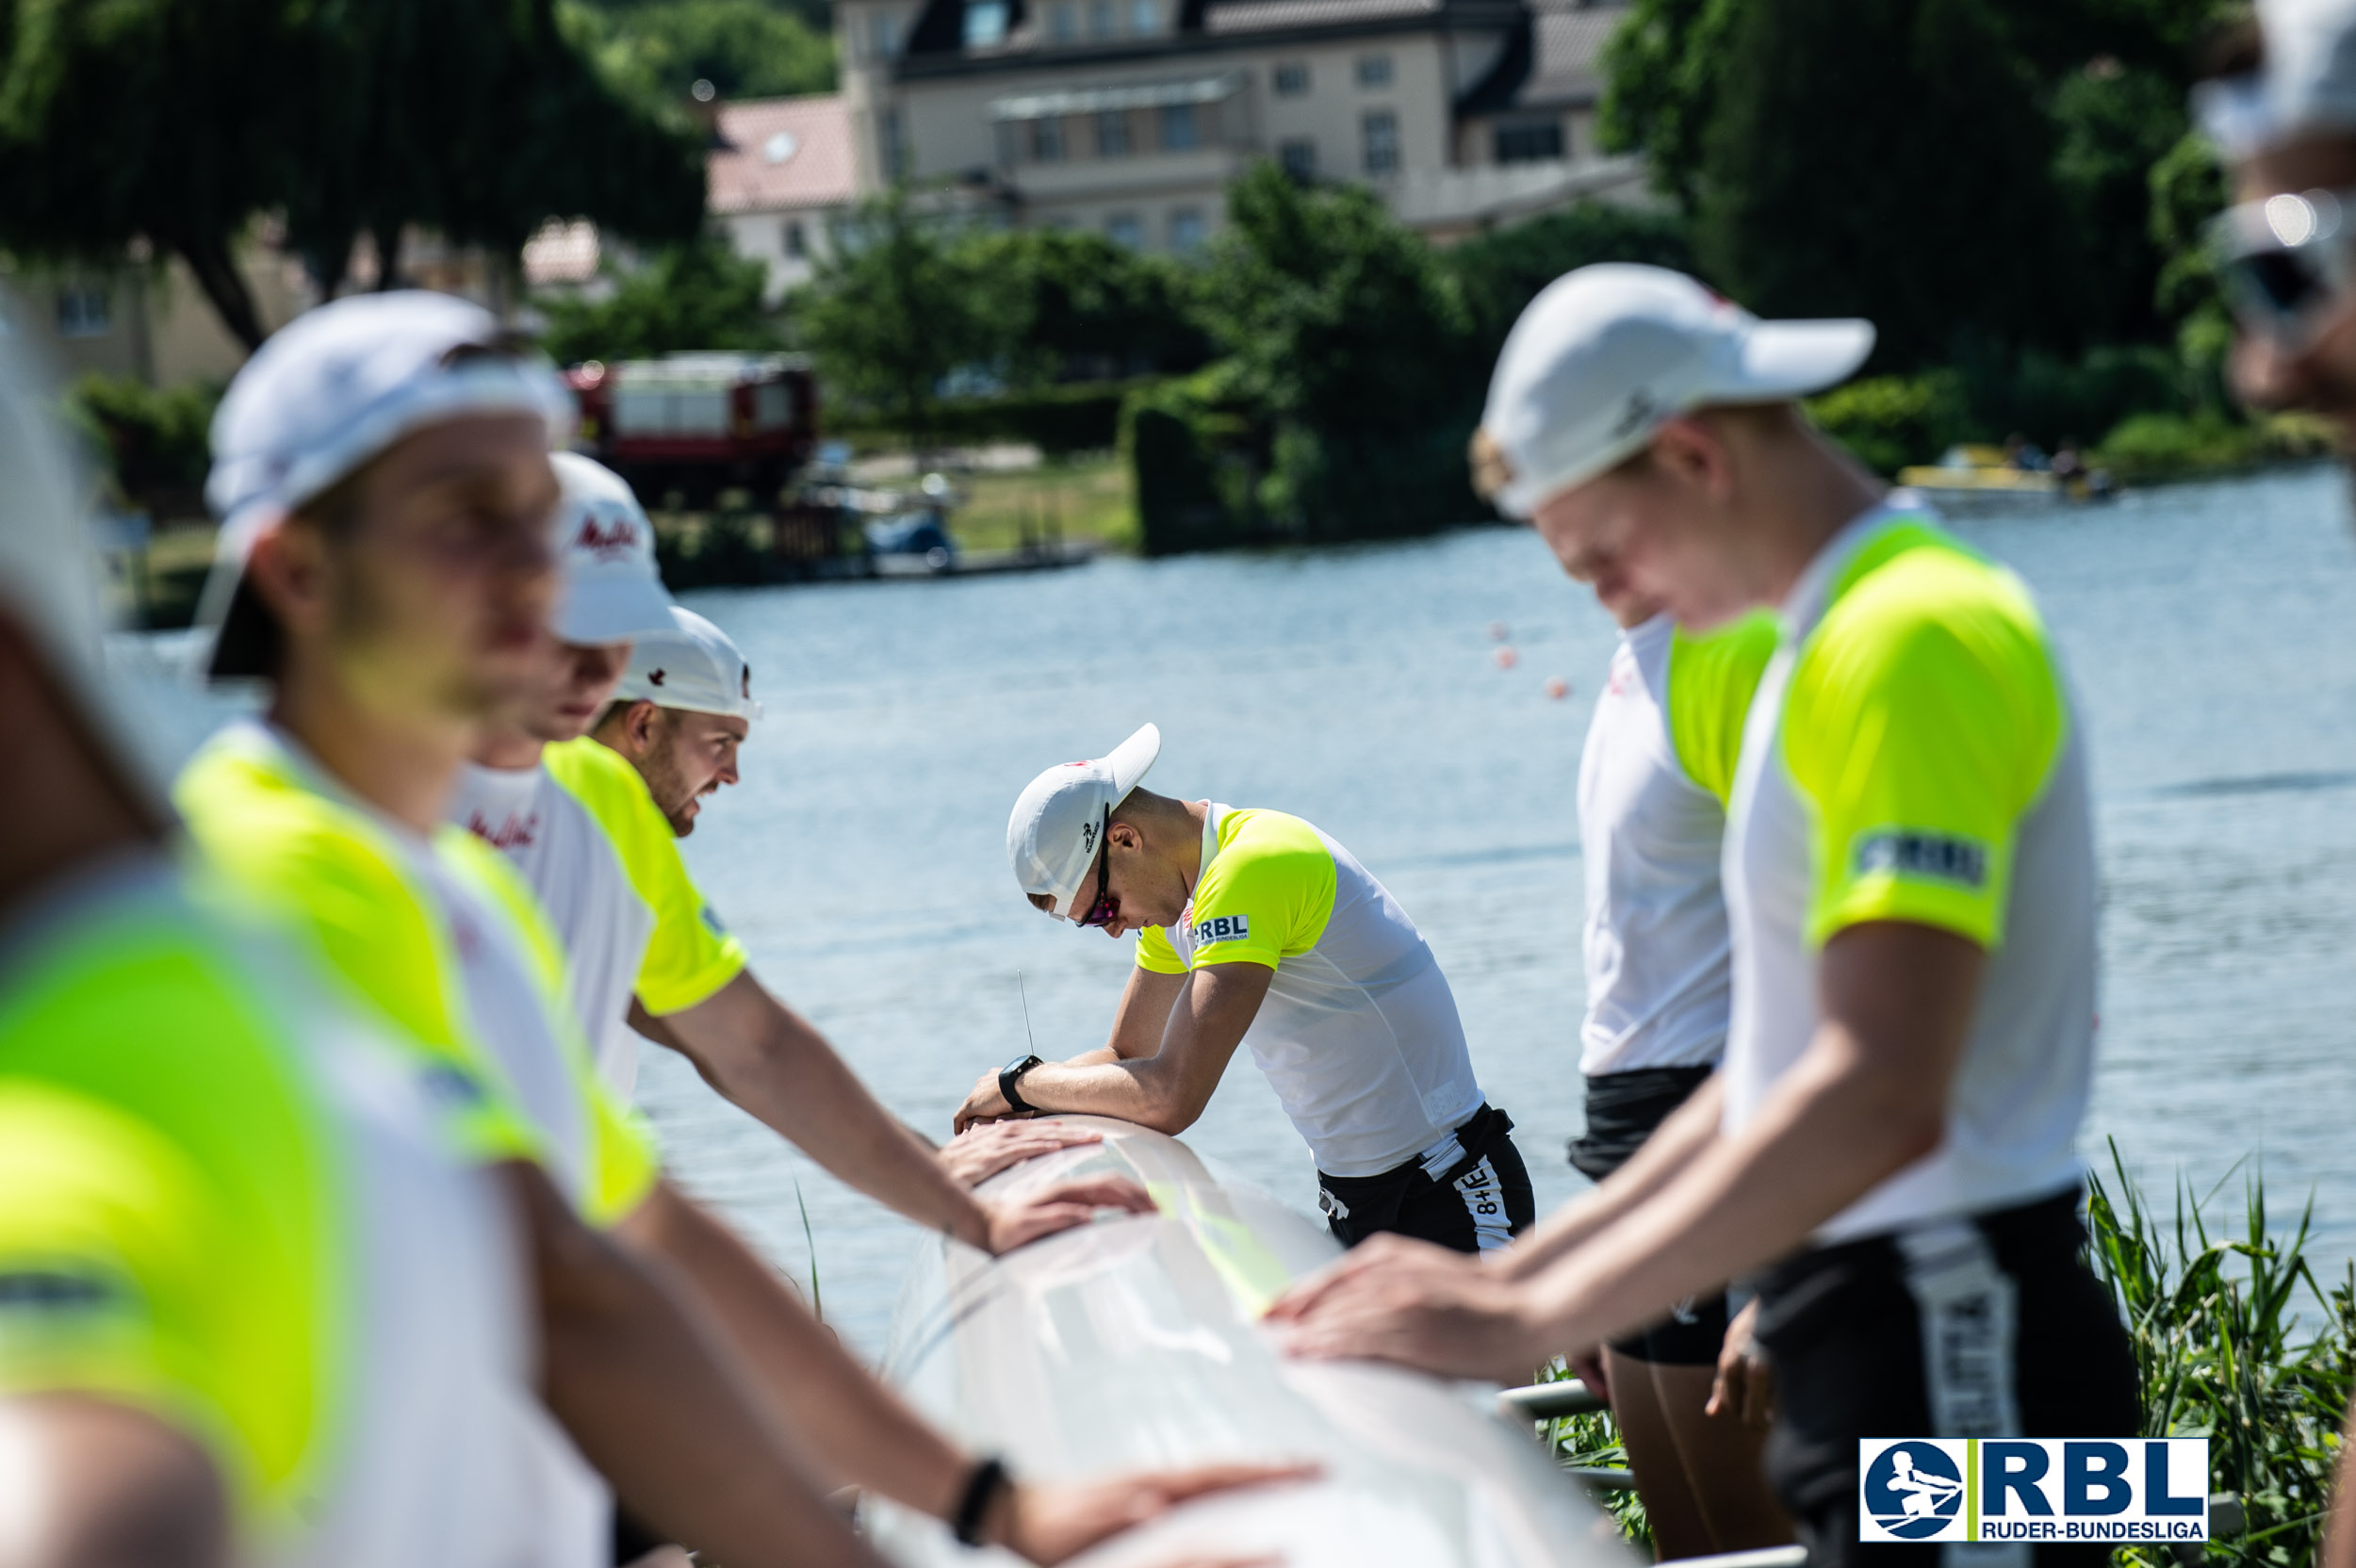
<point>1132,1343</point>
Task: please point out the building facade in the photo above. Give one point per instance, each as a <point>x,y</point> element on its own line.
<point>1131,117</point>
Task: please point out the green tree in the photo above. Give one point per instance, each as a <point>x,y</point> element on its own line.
<point>2116,123</point>
<point>1085,308</point>
<point>1885,160</point>
<point>744,48</point>
<point>156,120</point>
<point>1348,331</point>
<point>1663,69</point>
<point>700,295</point>
<point>896,307</point>
<point>1500,272</point>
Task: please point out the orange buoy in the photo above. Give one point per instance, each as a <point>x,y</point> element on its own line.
<point>1497,631</point>
<point>1506,659</point>
<point>1557,688</point>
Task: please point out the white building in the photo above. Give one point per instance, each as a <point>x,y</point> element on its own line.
<point>1132,116</point>
<point>785,169</point>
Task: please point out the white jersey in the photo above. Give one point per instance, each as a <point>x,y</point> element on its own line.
<point>1358,1035</point>
<point>572,865</point>
<point>1912,756</point>
<point>1651,825</point>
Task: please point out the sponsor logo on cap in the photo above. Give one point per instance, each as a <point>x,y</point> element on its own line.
<point>1087,838</point>
<point>1641,407</point>
<point>654,677</point>
<point>746,685</point>
<point>615,539</point>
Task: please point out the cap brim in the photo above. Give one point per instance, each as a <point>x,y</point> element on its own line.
<point>612,610</point>
<point>1130,761</point>
<point>1792,359</point>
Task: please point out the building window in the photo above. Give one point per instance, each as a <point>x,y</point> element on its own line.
<point>896,155</point>
<point>1112,134</point>
<point>1300,158</point>
<point>1063,21</point>
<point>1100,18</point>
<point>883,34</point>
<point>1125,228</point>
<point>1047,139</point>
<point>1374,71</point>
<point>1179,130</point>
<point>1381,137</point>
<point>1145,17</point>
<point>796,240</point>
<point>1291,79</point>
<point>985,23</point>
<point>1185,229</point>
<point>82,313</point>
<point>1533,143</point>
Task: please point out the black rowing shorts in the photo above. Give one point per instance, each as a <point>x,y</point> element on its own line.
<point>1623,1110</point>
<point>1474,1203</point>
<point>1987,1325</point>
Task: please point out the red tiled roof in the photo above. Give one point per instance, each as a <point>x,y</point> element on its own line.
<point>783,154</point>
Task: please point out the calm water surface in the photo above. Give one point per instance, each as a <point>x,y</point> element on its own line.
<point>2211,631</point>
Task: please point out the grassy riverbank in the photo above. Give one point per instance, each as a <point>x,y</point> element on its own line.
<point>2237,1337</point>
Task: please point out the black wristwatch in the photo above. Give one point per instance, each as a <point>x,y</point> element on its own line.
<point>1011,1074</point>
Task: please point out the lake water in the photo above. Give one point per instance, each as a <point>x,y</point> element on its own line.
<point>2211,631</point>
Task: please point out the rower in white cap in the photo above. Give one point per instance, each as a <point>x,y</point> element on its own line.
<point>1259,930</point>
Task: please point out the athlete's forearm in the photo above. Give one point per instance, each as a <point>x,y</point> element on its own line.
<point>1835,1126</point>
<point>763,1058</point>
<point>872,1439</point>
<point>1146,1092</point>
<point>1674,1144</point>
<point>658,1403</point>
<point>2339,1530</point>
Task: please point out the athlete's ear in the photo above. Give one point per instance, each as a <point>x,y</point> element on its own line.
<point>289,569</point>
<point>1125,836</point>
<point>638,726</point>
<point>1692,452</point>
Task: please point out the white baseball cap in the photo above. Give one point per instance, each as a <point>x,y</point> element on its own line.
<point>328,392</point>
<point>47,582</point>
<point>1059,820</point>
<point>612,591</point>
<point>1607,353</point>
<point>692,665</point>
<point>2306,81</point>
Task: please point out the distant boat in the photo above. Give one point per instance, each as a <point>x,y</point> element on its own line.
<point>1975,478</point>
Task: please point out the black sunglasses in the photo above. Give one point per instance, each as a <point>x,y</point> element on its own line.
<point>1105,906</point>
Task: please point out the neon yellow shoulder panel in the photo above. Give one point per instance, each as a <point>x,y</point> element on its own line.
<point>170,1235</point>
<point>1924,715</point>
<point>1155,954</point>
<point>313,866</point>
<point>688,958</point>
<point>1711,680</point>
<point>1266,895</point>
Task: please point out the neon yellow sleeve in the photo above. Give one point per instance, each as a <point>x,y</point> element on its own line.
<point>1155,954</point>
<point>170,1232</point>
<point>690,956</point>
<point>624,1161</point>
<point>294,861</point>
<point>1925,715</point>
<point>1711,680</point>
<point>1266,896</point>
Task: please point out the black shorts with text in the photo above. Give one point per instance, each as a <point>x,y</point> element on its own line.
<point>1623,1110</point>
<point>1476,1204</point>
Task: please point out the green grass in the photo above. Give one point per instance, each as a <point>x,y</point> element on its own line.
<point>2235,1339</point>
<point>1087,499</point>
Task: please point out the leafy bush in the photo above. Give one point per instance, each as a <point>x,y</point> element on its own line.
<point>1198,454</point>
<point>1890,421</point>
<point>744,48</point>
<point>2051,398</point>
<point>1060,421</point>
<point>154,443</point>
<point>701,295</point>
<point>2151,446</point>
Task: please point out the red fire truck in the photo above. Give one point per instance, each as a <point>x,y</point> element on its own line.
<point>685,427</point>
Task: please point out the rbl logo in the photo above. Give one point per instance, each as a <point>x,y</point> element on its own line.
<point>2033,1489</point>
<point>613,539</point>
